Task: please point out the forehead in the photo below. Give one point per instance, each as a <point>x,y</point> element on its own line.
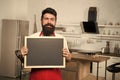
<point>48,15</point>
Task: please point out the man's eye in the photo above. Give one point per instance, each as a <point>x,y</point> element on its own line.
<point>45,18</point>
<point>52,19</point>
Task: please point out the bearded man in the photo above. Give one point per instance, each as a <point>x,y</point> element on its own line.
<point>48,23</point>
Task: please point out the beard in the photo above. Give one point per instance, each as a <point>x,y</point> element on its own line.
<point>47,31</point>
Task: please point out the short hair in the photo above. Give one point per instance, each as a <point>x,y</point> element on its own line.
<point>50,11</point>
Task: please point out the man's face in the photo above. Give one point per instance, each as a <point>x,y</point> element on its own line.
<point>48,24</point>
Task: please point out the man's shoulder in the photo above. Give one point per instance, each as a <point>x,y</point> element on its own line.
<point>58,35</point>
<point>38,35</point>
<point>35,35</point>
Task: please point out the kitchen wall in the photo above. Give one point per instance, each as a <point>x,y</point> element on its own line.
<point>12,9</point>
<point>74,11</point>
<point>69,11</point>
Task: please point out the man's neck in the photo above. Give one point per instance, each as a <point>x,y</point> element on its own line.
<point>41,34</point>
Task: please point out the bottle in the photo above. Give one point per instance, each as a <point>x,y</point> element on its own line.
<point>116,49</point>
<point>107,48</point>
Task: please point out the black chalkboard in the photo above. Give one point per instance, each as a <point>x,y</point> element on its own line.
<point>44,52</point>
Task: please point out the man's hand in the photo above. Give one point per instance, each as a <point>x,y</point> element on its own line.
<point>24,51</point>
<point>66,54</point>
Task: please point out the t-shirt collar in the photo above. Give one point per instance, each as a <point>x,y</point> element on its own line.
<point>41,34</point>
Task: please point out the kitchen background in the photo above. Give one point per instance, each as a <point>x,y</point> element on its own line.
<point>70,14</point>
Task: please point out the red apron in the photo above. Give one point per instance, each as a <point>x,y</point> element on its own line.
<point>45,74</point>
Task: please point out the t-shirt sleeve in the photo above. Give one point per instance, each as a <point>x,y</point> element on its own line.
<point>65,44</point>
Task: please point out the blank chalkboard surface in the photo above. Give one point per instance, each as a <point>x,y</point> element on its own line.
<point>44,52</point>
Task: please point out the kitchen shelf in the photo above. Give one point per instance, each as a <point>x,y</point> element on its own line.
<point>109,26</point>
<point>110,36</point>
<point>107,37</point>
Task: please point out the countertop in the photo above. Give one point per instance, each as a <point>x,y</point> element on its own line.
<point>91,58</point>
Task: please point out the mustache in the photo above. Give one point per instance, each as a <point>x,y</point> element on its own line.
<point>47,31</point>
<point>49,24</point>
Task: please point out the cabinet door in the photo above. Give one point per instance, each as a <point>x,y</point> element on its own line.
<point>70,72</point>
<point>8,58</point>
<point>23,31</point>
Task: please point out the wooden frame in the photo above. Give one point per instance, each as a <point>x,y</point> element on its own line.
<point>44,52</point>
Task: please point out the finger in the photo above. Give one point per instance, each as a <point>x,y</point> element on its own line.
<point>65,54</point>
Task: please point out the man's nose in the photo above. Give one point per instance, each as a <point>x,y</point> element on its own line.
<point>49,21</point>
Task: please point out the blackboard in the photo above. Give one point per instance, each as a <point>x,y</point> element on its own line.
<point>44,52</point>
